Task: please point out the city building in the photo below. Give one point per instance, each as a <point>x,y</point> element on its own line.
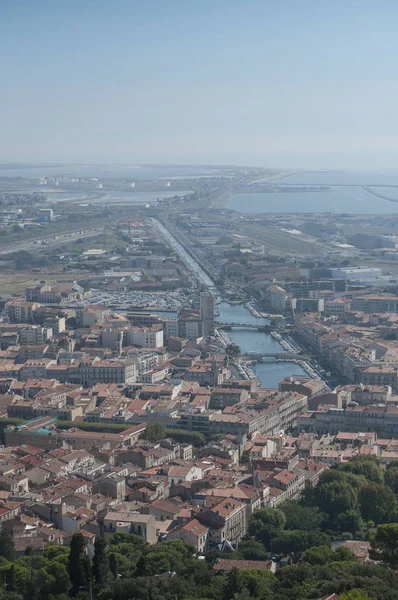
<point>383,303</point>
<point>225,519</point>
<point>130,522</point>
<point>331,420</point>
<point>207,313</point>
<point>20,311</point>
<point>193,533</point>
<point>310,305</point>
<point>279,299</point>
<point>46,215</point>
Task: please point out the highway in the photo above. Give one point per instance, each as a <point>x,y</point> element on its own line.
<point>50,240</point>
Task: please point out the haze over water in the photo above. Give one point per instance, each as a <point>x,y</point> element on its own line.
<point>346,196</point>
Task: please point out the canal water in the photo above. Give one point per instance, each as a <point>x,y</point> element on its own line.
<point>188,260</point>
<point>250,340</point>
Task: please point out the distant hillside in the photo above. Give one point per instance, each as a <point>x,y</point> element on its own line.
<point>369,242</point>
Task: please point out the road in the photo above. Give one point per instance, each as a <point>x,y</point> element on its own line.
<point>190,262</point>
<point>50,240</point>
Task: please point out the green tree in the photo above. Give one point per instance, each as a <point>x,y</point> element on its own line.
<point>100,562</point>
<point>114,564</point>
<point>233,584</point>
<point>127,538</point>
<point>349,521</point>
<point>252,550</point>
<point>232,350</point>
<point>266,524</point>
<point>186,437</point>
<point>77,565</point>
<point>336,497</point>
<point>391,478</point>
<point>368,466</point>
<point>355,595</point>
<point>378,503</point>
<point>154,432</point>
<point>55,580</point>
<point>141,569</point>
<point>385,544</point>
<point>320,555</point>
<point>356,482</point>
<point>295,542</point>
<point>344,554</point>
<point>7,548</point>
<point>56,552</point>
<point>323,555</point>
<point>11,579</point>
<point>307,518</point>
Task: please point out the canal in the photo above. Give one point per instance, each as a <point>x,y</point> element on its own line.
<point>185,257</point>
<point>249,340</point>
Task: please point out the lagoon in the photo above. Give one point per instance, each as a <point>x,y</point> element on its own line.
<point>344,199</point>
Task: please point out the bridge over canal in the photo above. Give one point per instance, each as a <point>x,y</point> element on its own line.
<point>277,355</point>
<point>229,326</point>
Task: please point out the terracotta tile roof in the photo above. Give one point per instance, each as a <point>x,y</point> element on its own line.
<point>195,528</point>
<point>223,564</point>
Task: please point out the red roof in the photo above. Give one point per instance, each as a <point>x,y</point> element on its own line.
<point>223,564</point>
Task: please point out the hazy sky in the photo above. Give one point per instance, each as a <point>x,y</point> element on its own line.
<point>293,83</point>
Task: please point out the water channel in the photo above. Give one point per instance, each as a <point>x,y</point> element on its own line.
<point>270,372</point>
<point>249,340</point>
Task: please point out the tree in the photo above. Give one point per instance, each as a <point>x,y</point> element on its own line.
<point>349,521</point>
<point>57,579</point>
<point>127,538</point>
<point>233,585</point>
<point>391,478</point>
<point>7,548</point>
<point>77,566</point>
<point>295,542</point>
<point>356,482</point>
<point>141,569</point>
<point>114,564</point>
<point>355,595</point>
<point>267,524</point>
<point>385,544</point>
<point>320,555</point>
<point>368,466</point>
<point>252,550</point>
<point>154,432</point>
<point>336,497</point>
<point>100,562</point>
<point>11,579</point>
<point>306,518</point>
<point>186,437</point>
<point>232,350</point>
<point>378,503</point>
<point>344,554</point>
<point>56,552</point>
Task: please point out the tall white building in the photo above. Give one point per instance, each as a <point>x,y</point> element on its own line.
<point>145,337</point>
<point>171,328</point>
<point>207,312</point>
<point>357,273</point>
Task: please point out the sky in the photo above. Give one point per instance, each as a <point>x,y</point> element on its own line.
<point>282,83</point>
